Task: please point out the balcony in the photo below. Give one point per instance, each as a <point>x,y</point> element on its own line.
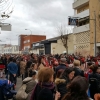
<point>81,29</point>
<point>82,14</point>
<point>79,3</point>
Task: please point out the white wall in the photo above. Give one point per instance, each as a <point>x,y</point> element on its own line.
<point>57,47</point>
<point>81,29</point>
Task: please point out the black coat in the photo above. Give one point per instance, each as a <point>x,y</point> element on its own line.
<point>78,72</point>
<point>62,85</point>
<point>43,93</point>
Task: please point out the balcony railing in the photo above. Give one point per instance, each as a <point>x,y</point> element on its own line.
<point>79,3</point>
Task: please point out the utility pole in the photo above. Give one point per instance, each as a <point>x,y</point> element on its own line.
<point>95,47</point>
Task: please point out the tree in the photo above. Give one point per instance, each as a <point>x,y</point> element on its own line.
<point>63,32</point>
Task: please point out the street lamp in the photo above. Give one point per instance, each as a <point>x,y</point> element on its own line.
<point>29,30</point>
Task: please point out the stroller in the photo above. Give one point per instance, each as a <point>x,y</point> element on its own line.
<point>6,91</point>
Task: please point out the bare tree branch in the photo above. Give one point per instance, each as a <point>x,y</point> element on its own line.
<point>63,32</point>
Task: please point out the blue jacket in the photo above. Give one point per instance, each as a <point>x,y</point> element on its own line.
<point>12,68</point>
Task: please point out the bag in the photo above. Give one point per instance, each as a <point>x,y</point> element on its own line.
<point>95,84</point>
<point>21,94</point>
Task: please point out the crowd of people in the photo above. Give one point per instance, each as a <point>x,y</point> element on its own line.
<point>53,77</point>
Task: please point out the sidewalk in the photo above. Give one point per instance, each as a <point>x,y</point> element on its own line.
<point>19,83</point>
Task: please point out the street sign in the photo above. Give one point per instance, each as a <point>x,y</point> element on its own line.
<point>5,27</point>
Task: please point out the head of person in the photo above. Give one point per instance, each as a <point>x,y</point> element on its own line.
<point>11,59</point>
<point>32,55</point>
<point>94,68</point>
<point>22,59</point>
<point>77,89</point>
<point>59,73</point>
<point>63,61</point>
<point>28,64</point>
<point>14,60</point>
<point>76,63</point>
<point>34,66</point>
<point>69,73</point>
<point>89,64</point>
<point>98,70</point>
<point>32,74</point>
<point>40,60</point>
<point>45,75</point>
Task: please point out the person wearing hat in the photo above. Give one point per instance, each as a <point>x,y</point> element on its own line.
<point>62,64</point>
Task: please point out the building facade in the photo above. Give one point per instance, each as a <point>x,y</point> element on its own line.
<point>54,46</point>
<point>11,49</point>
<point>25,41</point>
<point>2,48</point>
<point>84,32</point>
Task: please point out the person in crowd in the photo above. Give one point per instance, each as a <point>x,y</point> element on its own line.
<point>18,59</point>
<point>45,89</point>
<point>5,63</point>
<point>94,80</point>
<point>98,70</point>
<point>2,67</point>
<point>28,65</point>
<point>12,69</point>
<point>32,57</point>
<point>77,89</point>
<point>33,67</point>
<point>62,65</point>
<point>22,67</point>
<point>98,62</point>
<point>88,70</point>
<point>41,63</point>
<point>30,83</point>
<point>77,68</point>
<point>64,79</point>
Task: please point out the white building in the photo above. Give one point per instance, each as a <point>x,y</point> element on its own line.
<point>1,48</point>
<point>13,49</point>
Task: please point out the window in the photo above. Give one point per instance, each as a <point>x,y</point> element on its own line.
<point>28,41</point>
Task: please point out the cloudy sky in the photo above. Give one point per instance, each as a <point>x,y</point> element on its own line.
<point>40,16</point>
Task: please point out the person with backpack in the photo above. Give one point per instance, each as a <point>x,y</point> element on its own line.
<point>94,80</point>
<point>5,89</point>
<point>45,88</point>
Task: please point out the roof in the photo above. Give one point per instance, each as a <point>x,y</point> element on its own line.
<point>52,39</point>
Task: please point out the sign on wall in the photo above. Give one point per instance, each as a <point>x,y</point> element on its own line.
<point>73,21</point>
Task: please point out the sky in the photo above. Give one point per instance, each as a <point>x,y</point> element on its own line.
<point>40,16</point>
